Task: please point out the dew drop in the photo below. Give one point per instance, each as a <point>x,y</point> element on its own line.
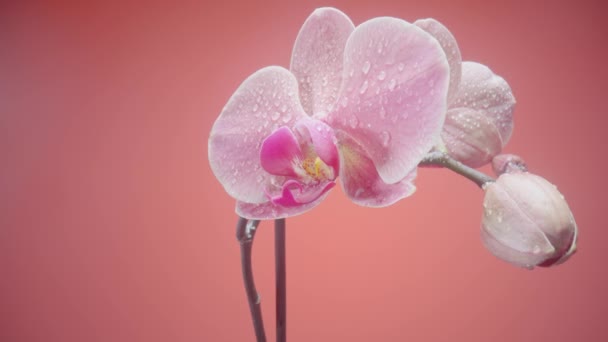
<point>366,67</point>
<point>344,102</point>
<point>363,88</point>
<point>255,107</point>
<point>353,121</point>
<point>382,112</point>
<point>275,116</point>
<point>385,138</point>
<point>286,117</point>
<point>283,108</point>
<point>382,75</point>
<point>324,81</point>
<point>401,66</point>
<point>392,84</point>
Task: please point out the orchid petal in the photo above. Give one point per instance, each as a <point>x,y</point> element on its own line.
<point>361,182</point>
<point>470,137</point>
<point>271,211</point>
<point>279,150</point>
<point>304,194</point>
<point>450,47</point>
<point>323,140</point>
<point>394,94</point>
<point>482,90</point>
<point>317,58</point>
<point>262,103</point>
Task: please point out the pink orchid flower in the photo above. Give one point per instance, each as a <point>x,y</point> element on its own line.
<point>479,121</point>
<point>365,104</point>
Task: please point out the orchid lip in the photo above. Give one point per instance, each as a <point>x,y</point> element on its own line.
<point>300,157</point>
<point>288,198</point>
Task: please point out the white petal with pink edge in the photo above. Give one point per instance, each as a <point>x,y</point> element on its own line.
<point>317,58</point>
<point>450,47</point>
<point>265,101</point>
<point>393,97</point>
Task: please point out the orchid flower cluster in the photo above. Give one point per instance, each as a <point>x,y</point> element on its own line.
<point>367,105</point>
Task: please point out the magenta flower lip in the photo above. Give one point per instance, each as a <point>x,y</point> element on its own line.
<point>363,104</point>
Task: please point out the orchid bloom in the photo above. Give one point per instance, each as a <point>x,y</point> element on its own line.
<point>365,104</point>
<point>479,121</point>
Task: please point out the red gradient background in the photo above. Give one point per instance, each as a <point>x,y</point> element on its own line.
<point>113,228</point>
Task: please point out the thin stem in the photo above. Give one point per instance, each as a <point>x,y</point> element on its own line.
<point>444,160</point>
<point>281,285</point>
<point>245,232</point>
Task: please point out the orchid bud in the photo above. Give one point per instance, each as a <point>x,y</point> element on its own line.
<point>508,163</point>
<point>479,120</point>
<point>527,222</point>
<point>470,137</point>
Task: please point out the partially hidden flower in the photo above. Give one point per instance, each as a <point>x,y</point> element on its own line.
<point>526,220</point>
<point>479,121</point>
<point>364,104</point>
<point>508,163</point>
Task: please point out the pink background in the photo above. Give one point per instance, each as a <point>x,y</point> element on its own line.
<point>112,227</point>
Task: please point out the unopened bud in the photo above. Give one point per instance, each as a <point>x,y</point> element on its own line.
<point>527,222</point>
<point>479,120</point>
<point>470,137</point>
<point>508,163</point>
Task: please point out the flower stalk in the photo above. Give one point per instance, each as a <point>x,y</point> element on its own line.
<point>444,160</point>
<point>281,283</point>
<point>245,232</point>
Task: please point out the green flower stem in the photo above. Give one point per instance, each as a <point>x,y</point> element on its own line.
<point>245,232</point>
<point>281,286</point>
<point>443,160</point>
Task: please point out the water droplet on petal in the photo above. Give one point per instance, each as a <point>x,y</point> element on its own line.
<point>344,102</point>
<point>255,107</point>
<point>274,116</point>
<point>382,75</point>
<point>366,67</point>
<point>401,66</point>
<point>382,112</point>
<point>286,117</point>
<point>353,121</point>
<point>363,88</point>
<point>392,84</point>
<point>385,138</point>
